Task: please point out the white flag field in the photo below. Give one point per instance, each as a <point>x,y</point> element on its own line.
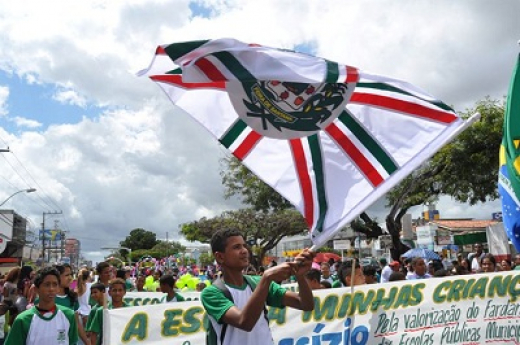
<point>329,137</point>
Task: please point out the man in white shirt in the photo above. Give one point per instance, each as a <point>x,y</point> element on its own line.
<point>388,270</point>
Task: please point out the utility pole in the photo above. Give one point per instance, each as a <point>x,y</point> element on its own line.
<point>43,233</point>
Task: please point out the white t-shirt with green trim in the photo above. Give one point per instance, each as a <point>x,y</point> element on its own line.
<point>33,328</point>
<point>216,305</point>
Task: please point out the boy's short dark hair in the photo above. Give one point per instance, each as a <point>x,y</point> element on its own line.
<point>313,274</point>
<point>98,286</point>
<point>101,266</point>
<point>369,270</point>
<point>44,272</point>
<point>219,239</point>
<point>115,282</point>
<point>345,270</point>
<point>396,276</point>
<point>167,279</point>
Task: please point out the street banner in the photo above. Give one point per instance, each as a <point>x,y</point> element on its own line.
<point>470,309</point>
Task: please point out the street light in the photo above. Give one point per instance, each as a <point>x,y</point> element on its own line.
<point>29,190</point>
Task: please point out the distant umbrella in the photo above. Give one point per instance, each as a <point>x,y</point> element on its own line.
<point>421,253</point>
<point>325,257</point>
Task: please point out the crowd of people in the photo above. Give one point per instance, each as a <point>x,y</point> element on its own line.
<point>75,301</point>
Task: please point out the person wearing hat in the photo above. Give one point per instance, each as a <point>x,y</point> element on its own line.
<point>388,269</point>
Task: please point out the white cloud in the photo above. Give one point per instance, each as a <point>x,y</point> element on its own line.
<point>144,163</point>
<point>4,95</point>
<point>23,122</point>
<point>70,97</point>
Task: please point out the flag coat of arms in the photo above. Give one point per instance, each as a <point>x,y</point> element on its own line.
<point>330,138</point>
<point>509,171</point>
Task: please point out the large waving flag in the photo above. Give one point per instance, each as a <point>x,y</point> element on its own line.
<point>328,137</point>
<point>509,171</point>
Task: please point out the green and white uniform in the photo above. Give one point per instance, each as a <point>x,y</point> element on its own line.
<point>216,305</point>
<point>52,328</point>
<point>176,298</point>
<point>97,322</point>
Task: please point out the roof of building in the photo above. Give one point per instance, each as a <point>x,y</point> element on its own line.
<point>464,224</point>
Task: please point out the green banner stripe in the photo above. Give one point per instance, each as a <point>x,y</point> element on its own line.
<point>387,87</point>
<point>332,72</point>
<point>177,50</point>
<point>233,133</point>
<point>370,143</point>
<point>317,163</point>
<point>234,66</point>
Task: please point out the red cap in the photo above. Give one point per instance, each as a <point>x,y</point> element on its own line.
<point>394,263</point>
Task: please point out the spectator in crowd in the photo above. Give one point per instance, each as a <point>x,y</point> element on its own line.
<point>139,283</point>
<point>506,265</point>
<point>325,285</point>
<point>370,274</point>
<point>392,267</point>
<point>200,286</point>
<point>325,272</point>
<point>441,273</point>
<point>313,277</point>
<point>11,286</point>
<point>47,321</point>
<point>345,273</point>
<point>419,268</point>
<point>409,267</point>
<point>476,257</point>
<point>465,264</point>
<point>516,261</point>
<point>167,286</point>
<point>488,263</point>
<point>117,292</point>
<point>97,293</point>
<point>83,292</point>
<point>385,270</point>
<point>396,276</point>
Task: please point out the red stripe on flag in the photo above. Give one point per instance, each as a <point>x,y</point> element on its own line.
<point>177,81</point>
<point>210,70</point>
<point>352,75</point>
<point>357,156</point>
<point>160,51</point>
<point>305,181</point>
<point>402,106</point>
<point>247,145</point>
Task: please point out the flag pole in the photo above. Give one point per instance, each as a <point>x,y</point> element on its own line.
<point>474,118</point>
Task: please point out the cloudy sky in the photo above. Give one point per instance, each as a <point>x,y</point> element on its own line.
<point>110,151</point>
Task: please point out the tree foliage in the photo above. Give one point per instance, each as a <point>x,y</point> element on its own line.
<point>140,239</point>
<point>239,181</point>
<point>465,169</point>
<point>265,229</point>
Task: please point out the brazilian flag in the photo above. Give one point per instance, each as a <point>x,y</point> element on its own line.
<point>509,172</point>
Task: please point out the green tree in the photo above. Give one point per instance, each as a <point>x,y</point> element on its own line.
<point>140,239</point>
<point>169,248</point>
<point>265,229</point>
<point>466,169</point>
<point>206,259</point>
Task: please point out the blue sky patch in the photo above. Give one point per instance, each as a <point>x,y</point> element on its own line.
<point>35,102</point>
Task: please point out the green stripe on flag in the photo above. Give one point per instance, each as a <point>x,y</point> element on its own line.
<point>387,87</point>
<point>177,50</point>
<point>175,71</point>
<point>332,72</point>
<point>233,133</point>
<point>234,66</point>
<point>512,130</point>
<point>370,143</point>
<point>319,177</point>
